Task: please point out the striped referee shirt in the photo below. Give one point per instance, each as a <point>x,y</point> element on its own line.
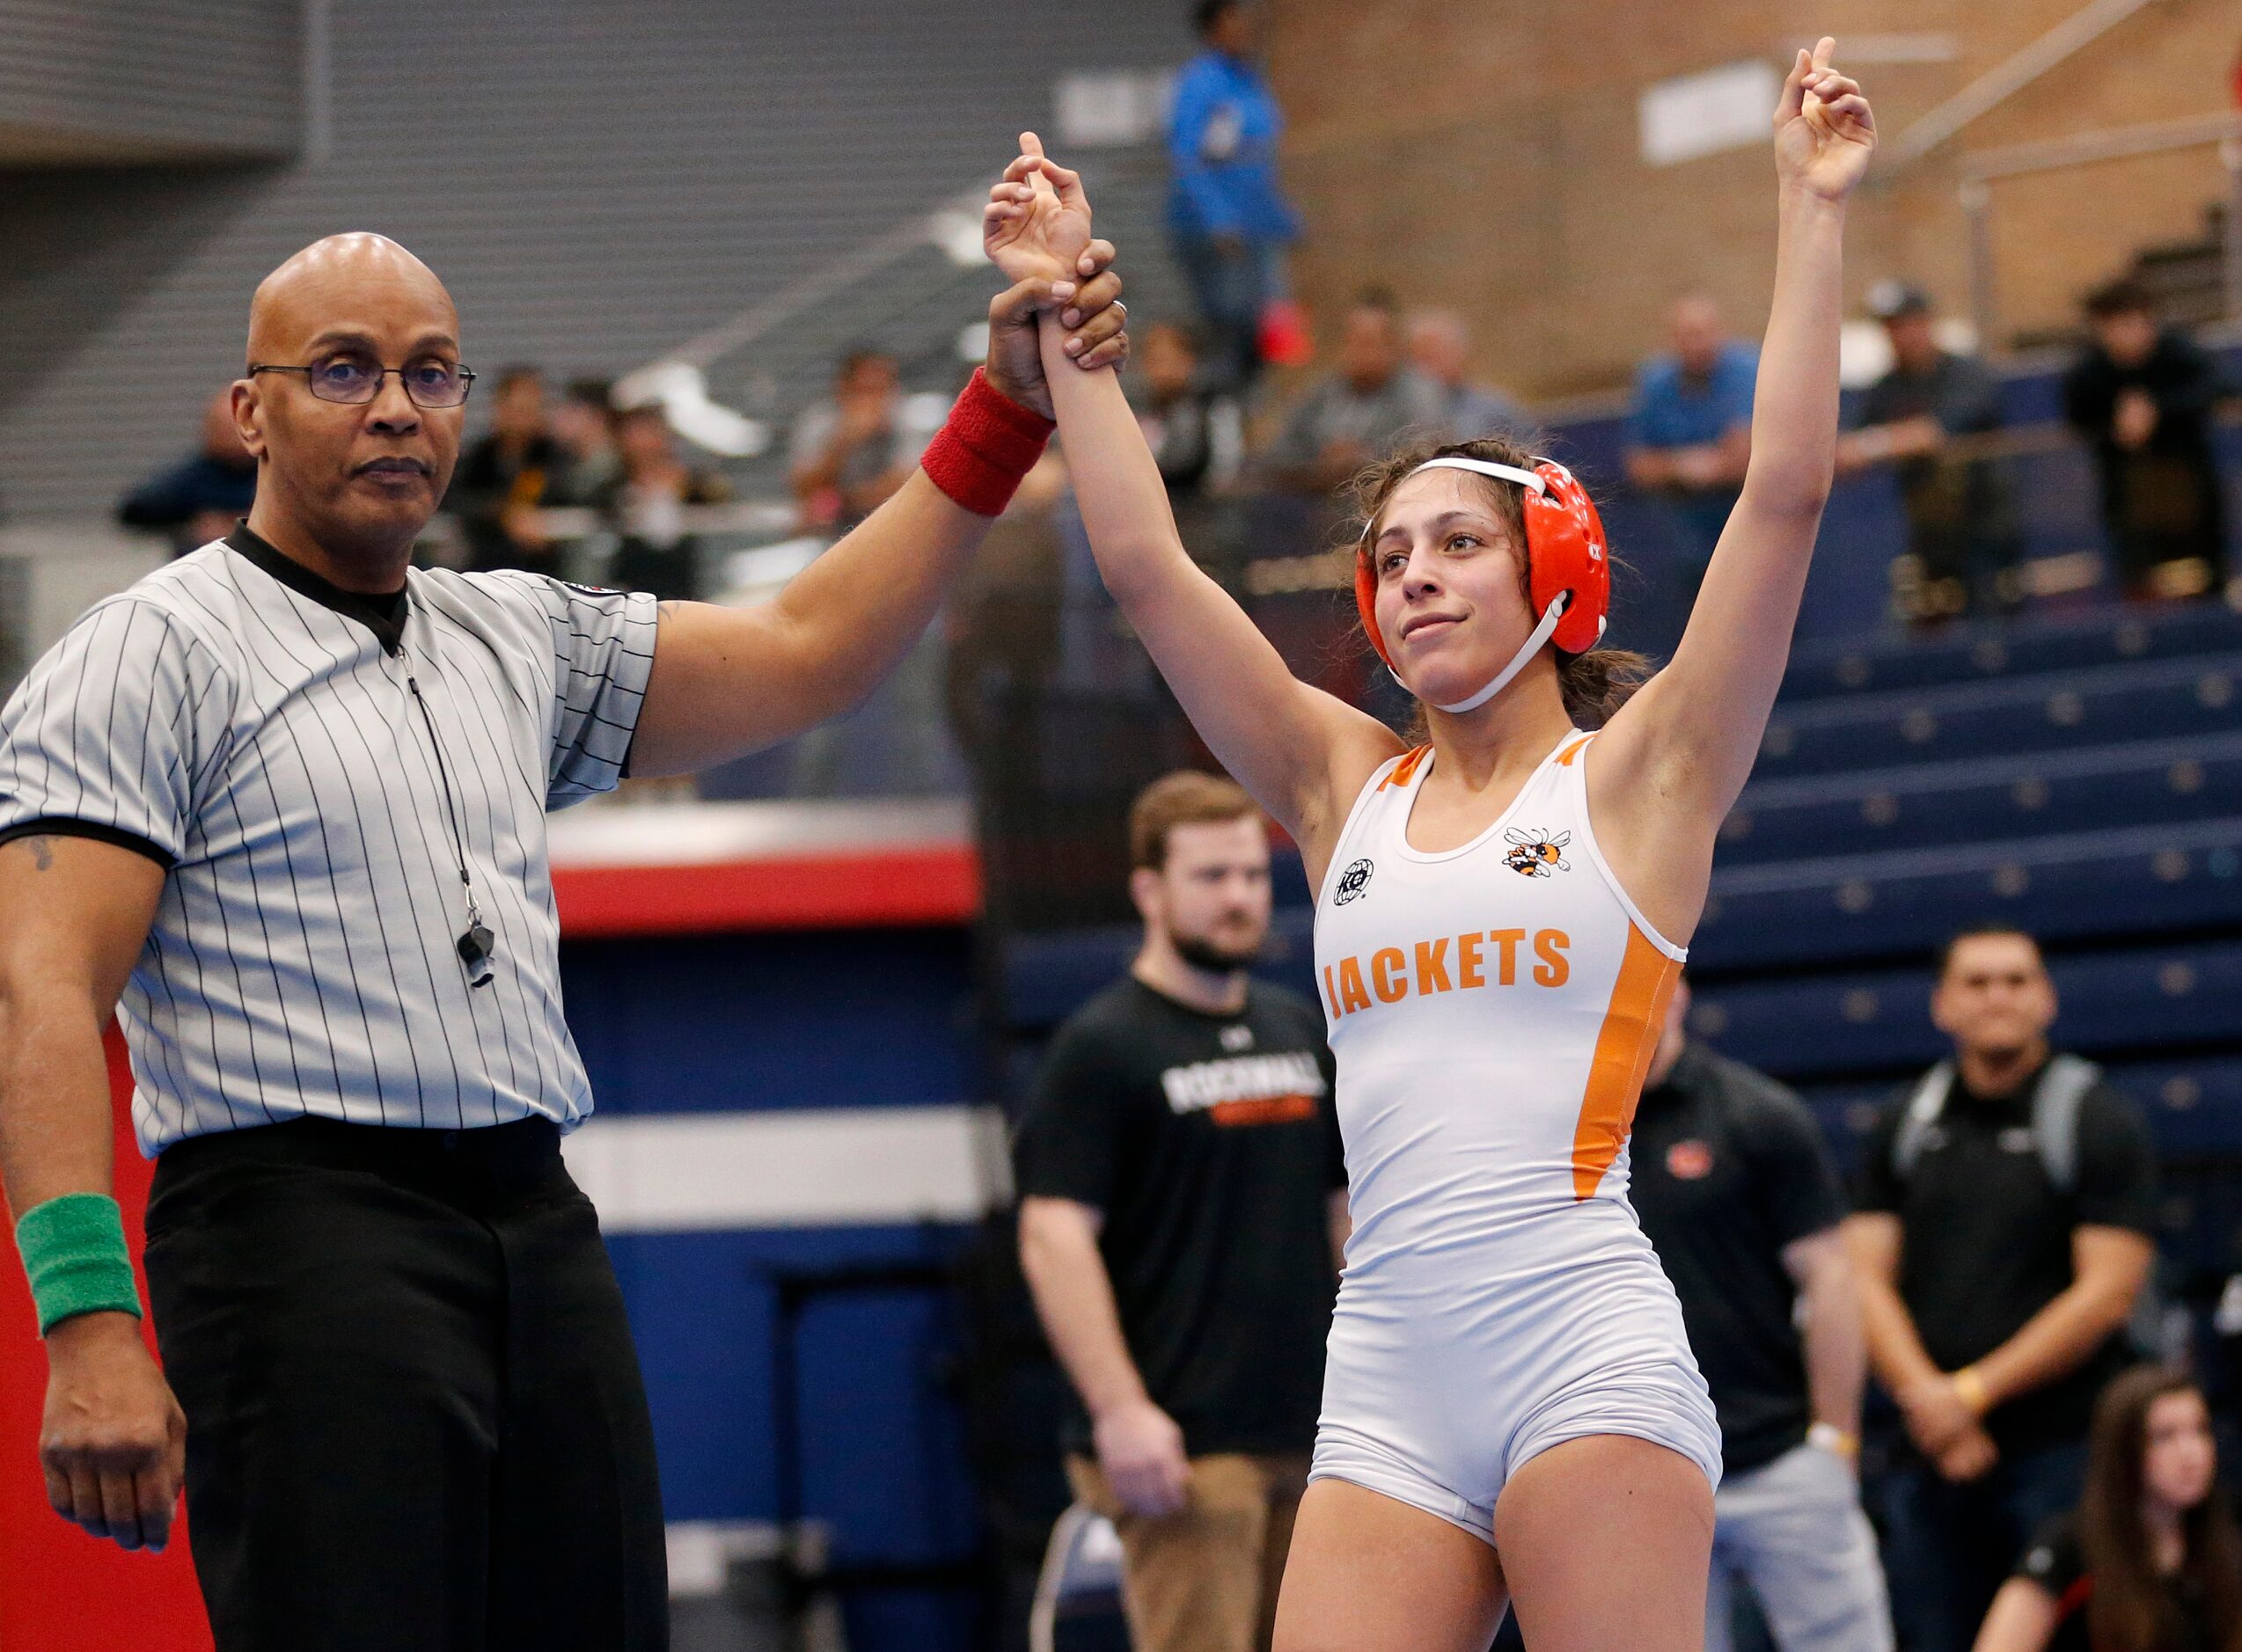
<point>254,730</point>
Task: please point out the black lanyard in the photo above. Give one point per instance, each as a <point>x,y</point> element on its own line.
<point>476,943</point>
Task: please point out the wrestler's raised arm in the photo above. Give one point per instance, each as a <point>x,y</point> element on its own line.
<point>1301,753</point>
<point>1675,757</point>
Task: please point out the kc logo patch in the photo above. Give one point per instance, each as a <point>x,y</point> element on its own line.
<point>1352,882</point>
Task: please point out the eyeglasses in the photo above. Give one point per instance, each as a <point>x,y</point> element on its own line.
<point>354,380</point>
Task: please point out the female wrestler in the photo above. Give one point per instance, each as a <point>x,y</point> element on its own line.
<point>1511,1412</point>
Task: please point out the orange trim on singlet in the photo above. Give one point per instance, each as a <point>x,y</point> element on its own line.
<point>1624,1045</point>
<point>1405,770</point>
<point>1564,757</point>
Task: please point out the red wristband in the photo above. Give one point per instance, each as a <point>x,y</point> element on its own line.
<point>989,442</point>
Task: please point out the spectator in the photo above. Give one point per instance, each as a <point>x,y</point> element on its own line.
<point>1691,432</point>
<point>1179,419</point>
<point>854,449</point>
<point>1962,523</point>
<point>1180,1179</point>
<point>201,497</point>
<point>502,479</point>
<point>1360,413</point>
<point>1439,348</point>
<point>2152,1561</point>
<point>2142,396</point>
<point>645,505</point>
<point>2002,1237</point>
<point>1735,1188</point>
<point>1229,219</point>
<point>584,438</point>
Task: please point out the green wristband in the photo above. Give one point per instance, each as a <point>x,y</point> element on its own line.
<point>74,1252</point>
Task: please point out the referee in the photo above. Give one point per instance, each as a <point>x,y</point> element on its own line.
<point>286,799</point>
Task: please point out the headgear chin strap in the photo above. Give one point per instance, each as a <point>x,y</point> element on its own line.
<point>1542,633</point>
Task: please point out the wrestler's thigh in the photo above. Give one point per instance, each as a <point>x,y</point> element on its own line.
<point>1605,1541</point>
<point>1370,1574</point>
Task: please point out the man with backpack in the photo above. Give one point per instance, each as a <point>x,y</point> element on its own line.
<point>2003,1238</point>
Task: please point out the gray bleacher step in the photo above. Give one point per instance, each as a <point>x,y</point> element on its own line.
<point>1990,650</point>
<point>2139,1001</point>
<point>2142,782</point>
<point>2070,887</point>
<point>2046,711</point>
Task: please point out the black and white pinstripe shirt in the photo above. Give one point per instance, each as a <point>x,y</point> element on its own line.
<point>253,727</point>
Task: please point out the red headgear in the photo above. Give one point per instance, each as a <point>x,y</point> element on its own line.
<point>1565,553</point>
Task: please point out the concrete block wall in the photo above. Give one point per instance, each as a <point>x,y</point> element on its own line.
<point>1484,153</point>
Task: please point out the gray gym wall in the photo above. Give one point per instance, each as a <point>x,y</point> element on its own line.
<point>597,181</point>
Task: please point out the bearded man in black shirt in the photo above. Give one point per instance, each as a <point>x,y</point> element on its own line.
<point>1182,1202</point>
<point>2003,1234</point>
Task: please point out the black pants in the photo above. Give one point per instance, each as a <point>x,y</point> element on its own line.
<point>1948,1548</point>
<point>415,1422</point>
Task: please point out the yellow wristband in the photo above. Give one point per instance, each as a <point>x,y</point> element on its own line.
<point>1828,1436</point>
<point>1970,1387</point>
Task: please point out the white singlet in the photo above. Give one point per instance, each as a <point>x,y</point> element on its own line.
<point>1493,1009</point>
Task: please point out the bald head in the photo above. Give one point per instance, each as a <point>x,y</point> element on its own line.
<point>1696,326</point>
<point>347,487</point>
<point>1440,345</point>
<point>332,279</point>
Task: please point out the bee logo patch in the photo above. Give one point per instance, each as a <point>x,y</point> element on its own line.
<point>1536,854</point>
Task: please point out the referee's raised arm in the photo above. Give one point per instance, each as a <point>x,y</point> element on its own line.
<point>74,914</point>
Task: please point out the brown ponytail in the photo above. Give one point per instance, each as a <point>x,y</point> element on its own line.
<point>1595,685</point>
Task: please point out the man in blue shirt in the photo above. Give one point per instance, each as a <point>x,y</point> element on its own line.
<point>1230,221</point>
<point>1691,431</point>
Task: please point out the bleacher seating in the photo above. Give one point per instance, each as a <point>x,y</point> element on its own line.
<point>2074,886</point>
<point>2080,777</point>
<point>2049,710</point>
<point>2140,1001</point>
<point>1970,652</point>
<point>1933,805</point>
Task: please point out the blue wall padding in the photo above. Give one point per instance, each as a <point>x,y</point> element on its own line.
<point>852,1018</point>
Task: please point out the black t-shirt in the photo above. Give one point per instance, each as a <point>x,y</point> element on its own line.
<point>1210,1143</point>
<point>1728,1168</point>
<point>1987,1235</point>
<point>1968,499</point>
<point>2163,499</point>
<point>1959,392</point>
<point>2056,1561</point>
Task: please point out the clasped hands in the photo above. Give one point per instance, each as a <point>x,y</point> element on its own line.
<point>1036,232</point>
<point>1946,1421</point>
